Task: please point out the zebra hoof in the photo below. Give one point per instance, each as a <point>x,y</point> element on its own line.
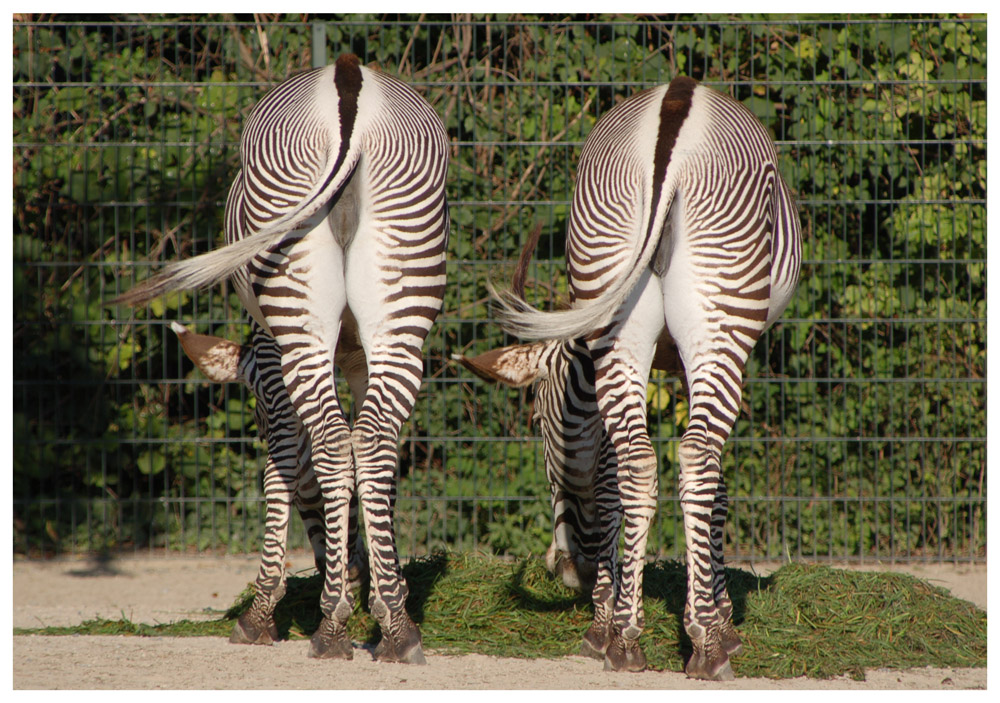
<point>249,630</point>
<point>624,655</point>
<point>717,669</point>
<point>595,642</point>
<point>574,571</point>
<point>731,642</point>
<point>387,653</point>
<point>404,645</point>
<point>589,649</point>
<point>330,642</point>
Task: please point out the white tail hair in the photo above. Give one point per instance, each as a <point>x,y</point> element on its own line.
<point>518,318</point>
<point>214,266</point>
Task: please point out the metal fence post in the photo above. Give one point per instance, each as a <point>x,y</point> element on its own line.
<point>318,44</point>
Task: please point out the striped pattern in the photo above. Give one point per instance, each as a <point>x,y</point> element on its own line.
<point>336,226</point>
<point>680,222</point>
<point>377,250</point>
<point>288,476</point>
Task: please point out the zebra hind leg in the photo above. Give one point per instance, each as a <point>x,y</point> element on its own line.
<point>309,502</point>
<point>731,641</point>
<point>375,456</point>
<point>708,626</point>
<point>637,486</point>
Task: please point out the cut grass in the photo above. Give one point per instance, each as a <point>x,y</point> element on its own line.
<point>801,620</point>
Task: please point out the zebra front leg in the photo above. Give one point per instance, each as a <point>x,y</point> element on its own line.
<point>256,625</point>
<point>605,591</point>
<point>287,458</point>
<point>572,555</point>
<point>288,451</point>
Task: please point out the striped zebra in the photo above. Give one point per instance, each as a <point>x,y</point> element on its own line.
<point>288,475</point>
<point>337,223</point>
<point>680,224</point>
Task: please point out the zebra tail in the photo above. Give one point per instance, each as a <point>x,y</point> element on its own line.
<point>518,318</point>
<point>214,266</point>
<point>203,270</point>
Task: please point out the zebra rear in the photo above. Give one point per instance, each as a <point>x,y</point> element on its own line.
<point>679,221</point>
<point>337,222</point>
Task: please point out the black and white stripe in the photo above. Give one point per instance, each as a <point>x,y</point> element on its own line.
<point>337,225</point>
<point>288,476</point>
<point>680,222</point>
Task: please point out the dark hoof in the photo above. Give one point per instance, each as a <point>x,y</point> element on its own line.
<point>595,642</point>
<point>624,655</point>
<point>574,571</point>
<point>250,630</point>
<point>401,644</point>
<point>731,642</point>
<point>717,669</point>
<point>588,649</point>
<point>330,642</point>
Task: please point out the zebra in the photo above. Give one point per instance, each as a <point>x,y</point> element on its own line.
<point>337,223</point>
<point>288,475</point>
<point>682,234</point>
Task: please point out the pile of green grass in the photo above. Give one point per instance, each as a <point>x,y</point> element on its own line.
<point>799,621</point>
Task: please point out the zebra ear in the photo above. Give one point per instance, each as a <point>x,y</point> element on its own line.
<point>218,358</point>
<point>515,366</point>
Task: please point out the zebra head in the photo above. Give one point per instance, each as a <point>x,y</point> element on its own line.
<point>575,450</point>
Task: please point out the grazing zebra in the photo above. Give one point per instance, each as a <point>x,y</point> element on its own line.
<point>337,222</point>
<point>680,223</point>
<point>288,475</point>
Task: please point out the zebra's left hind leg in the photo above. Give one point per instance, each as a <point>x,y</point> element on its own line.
<point>623,355</point>
<point>309,502</point>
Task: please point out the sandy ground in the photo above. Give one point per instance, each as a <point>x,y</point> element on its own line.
<point>165,589</point>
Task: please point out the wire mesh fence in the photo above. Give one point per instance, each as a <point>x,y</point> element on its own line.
<point>863,432</point>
